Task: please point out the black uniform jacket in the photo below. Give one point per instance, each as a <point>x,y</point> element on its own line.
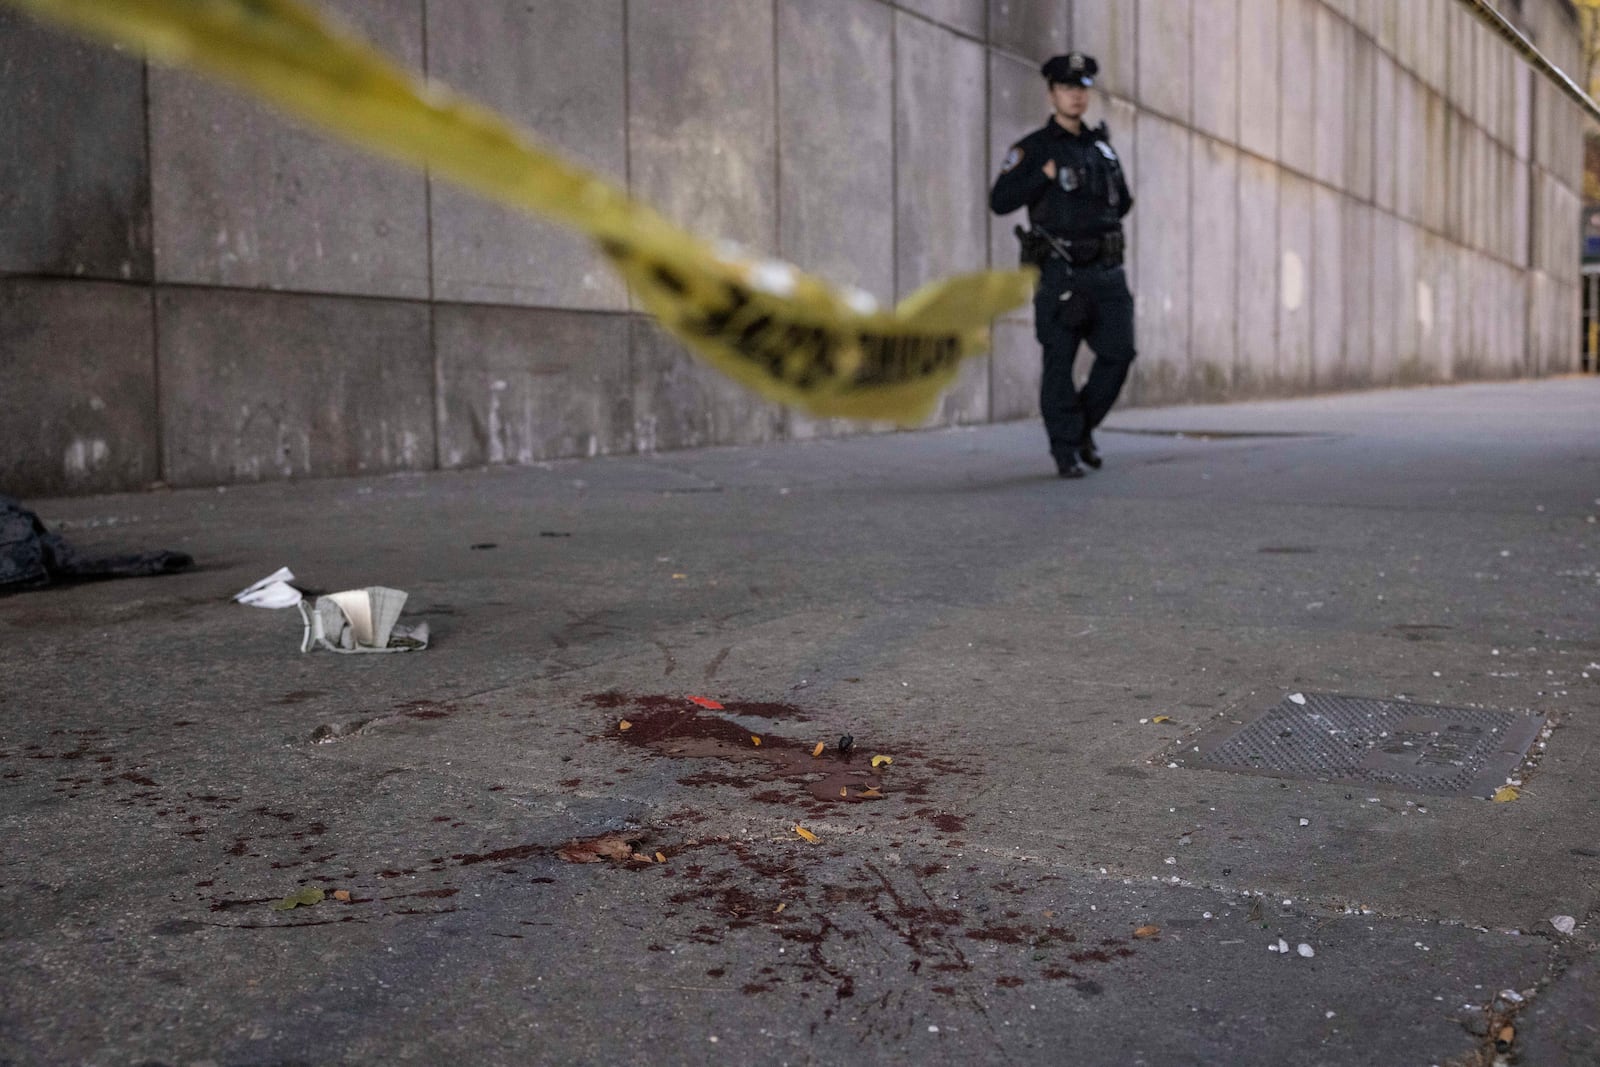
<point>1089,195</point>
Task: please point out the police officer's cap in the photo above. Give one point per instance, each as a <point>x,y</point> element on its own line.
<point>1074,68</point>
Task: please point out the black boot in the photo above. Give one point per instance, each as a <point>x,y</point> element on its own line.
<point>1089,454</point>
<point>1068,468</point>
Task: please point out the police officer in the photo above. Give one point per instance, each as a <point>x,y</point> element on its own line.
<point>1072,183</point>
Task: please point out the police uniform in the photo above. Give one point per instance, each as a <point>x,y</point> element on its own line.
<point>1077,243</point>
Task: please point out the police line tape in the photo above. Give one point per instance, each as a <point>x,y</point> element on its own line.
<point>1497,22</point>
<point>789,336</point>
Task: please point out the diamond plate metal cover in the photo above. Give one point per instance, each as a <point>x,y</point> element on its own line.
<point>1414,747</point>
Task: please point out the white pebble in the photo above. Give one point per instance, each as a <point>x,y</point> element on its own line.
<point>1306,950</point>
<point>1297,698</point>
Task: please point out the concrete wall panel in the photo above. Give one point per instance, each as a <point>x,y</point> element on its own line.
<point>1389,291</point>
<point>520,385</point>
<point>1335,47</point>
<point>1361,119</point>
<point>547,66</point>
<point>679,402</point>
<point>1016,371</point>
<point>244,198</point>
<point>942,170</point>
<point>79,405</point>
<point>836,140</point>
<point>1358,272</point>
<point>1296,265</point>
<point>701,121</point>
<point>1385,137</point>
<point>967,16</point>
<point>1163,276</point>
<point>1215,279</point>
<point>1257,364</point>
<point>1034,29</point>
<point>1259,100</point>
<point>1166,59</point>
<point>1298,86</point>
<point>1108,30</point>
<point>1214,60</point>
<point>326,386</point>
<point>1328,284</point>
<point>78,108</point>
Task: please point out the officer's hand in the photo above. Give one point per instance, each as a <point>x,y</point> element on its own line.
<point>1050,169</point>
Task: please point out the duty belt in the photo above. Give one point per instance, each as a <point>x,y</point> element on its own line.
<point>1040,246</point>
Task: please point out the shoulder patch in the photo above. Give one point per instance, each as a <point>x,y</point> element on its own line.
<point>1013,157</point>
<point>1107,151</point>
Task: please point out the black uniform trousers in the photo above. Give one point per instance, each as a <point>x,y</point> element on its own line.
<point>1074,305</point>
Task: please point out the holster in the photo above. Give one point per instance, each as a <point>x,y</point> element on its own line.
<point>1036,250</point>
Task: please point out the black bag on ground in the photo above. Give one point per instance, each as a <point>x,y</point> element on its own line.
<point>32,556</point>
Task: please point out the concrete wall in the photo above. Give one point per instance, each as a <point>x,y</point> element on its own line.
<point>1332,194</point>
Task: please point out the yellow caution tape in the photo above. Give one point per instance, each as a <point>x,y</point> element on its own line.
<point>790,337</point>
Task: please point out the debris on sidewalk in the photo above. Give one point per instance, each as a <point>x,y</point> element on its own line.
<point>32,557</point>
<point>1506,794</point>
<point>1564,924</point>
<point>305,898</point>
<point>616,847</point>
<point>360,620</point>
<point>707,703</point>
<point>274,591</point>
<point>807,834</point>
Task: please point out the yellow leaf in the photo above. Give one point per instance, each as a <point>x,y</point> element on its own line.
<point>879,761</point>
<point>807,834</point>
<point>844,792</point>
<point>680,577</point>
<point>754,740</point>
<point>624,725</point>
<point>1146,932</point>
<point>779,909</point>
<point>791,337</point>
<point>661,857</point>
<point>341,894</point>
<point>818,750</point>
<point>870,794</point>
<point>1162,718</point>
<point>1506,794</point>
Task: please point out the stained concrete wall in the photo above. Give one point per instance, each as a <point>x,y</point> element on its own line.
<point>1332,194</point>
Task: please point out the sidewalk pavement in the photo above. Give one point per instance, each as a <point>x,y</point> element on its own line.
<point>1035,885</point>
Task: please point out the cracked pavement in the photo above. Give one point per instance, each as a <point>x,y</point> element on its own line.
<point>1033,882</point>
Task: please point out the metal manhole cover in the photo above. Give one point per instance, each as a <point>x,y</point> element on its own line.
<point>1416,747</point>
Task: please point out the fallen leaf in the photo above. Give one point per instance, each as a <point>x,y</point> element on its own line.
<point>640,857</point>
<point>624,725</point>
<point>680,577</point>
<point>660,858</point>
<point>1256,912</point>
<point>706,702</point>
<point>844,792</point>
<point>807,834</point>
<point>303,899</point>
<point>1503,1040</point>
<point>1162,718</point>
<point>1506,794</point>
<point>618,847</point>
<point>779,909</point>
<point>1049,915</point>
<point>1146,932</point>
<point>754,740</point>
<point>879,761</point>
<point>342,894</point>
<point>818,750</point>
<point>871,794</point>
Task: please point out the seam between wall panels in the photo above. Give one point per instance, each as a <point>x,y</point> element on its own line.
<point>439,419</point>
<point>154,289</point>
